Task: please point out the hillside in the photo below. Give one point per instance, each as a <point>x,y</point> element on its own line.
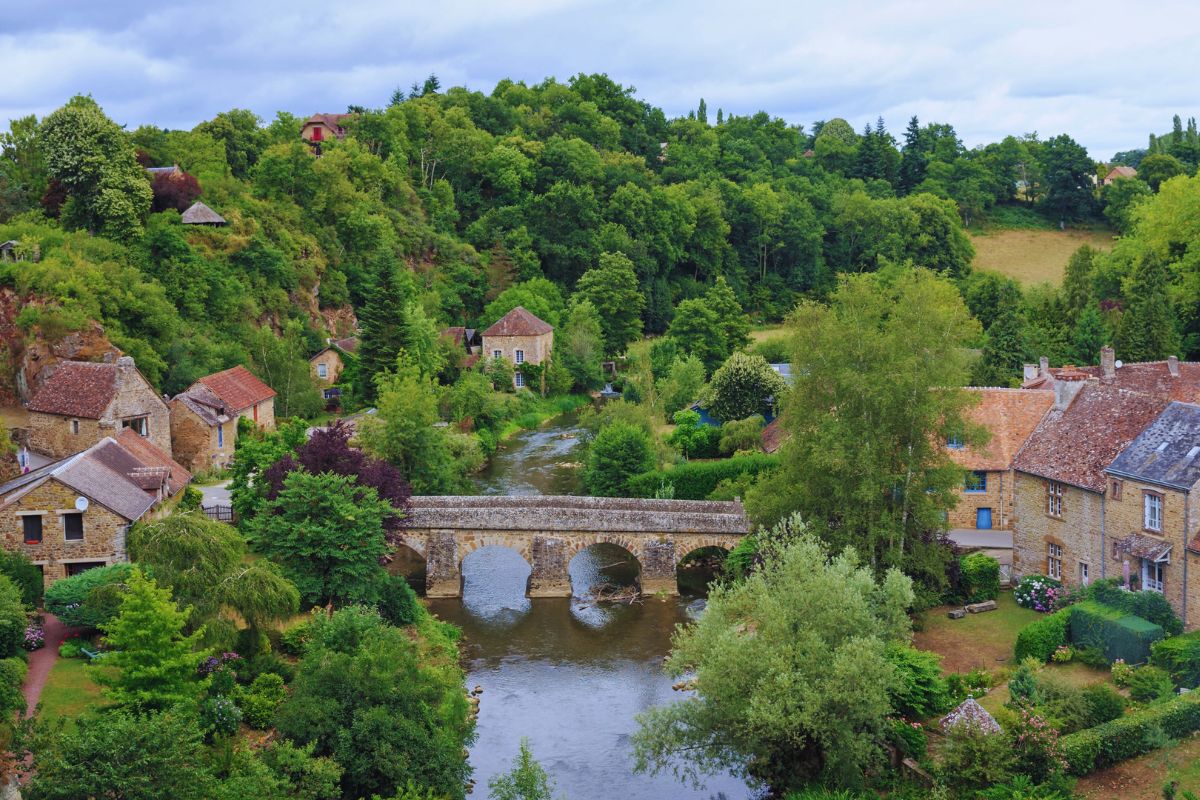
<point>1033,256</point>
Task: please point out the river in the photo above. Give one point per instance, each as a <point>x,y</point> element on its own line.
<point>567,674</point>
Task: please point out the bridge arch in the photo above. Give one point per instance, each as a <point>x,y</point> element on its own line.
<point>607,557</point>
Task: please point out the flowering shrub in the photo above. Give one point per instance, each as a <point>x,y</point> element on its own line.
<point>213,663</point>
<point>1062,654</point>
<point>1035,744</point>
<point>35,636</point>
<point>1041,594</point>
<point>907,737</point>
<point>220,715</point>
<point>1121,673</point>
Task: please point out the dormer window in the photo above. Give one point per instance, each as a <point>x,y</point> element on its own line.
<point>954,442</point>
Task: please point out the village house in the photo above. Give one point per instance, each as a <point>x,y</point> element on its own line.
<point>323,127</point>
<point>986,497</point>
<point>468,343</point>
<point>519,338</point>
<point>73,514</point>
<point>242,395</point>
<point>80,403</point>
<point>1119,173</point>
<point>203,432</point>
<point>327,365</point>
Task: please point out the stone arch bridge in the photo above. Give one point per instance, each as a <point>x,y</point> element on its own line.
<point>549,531</point>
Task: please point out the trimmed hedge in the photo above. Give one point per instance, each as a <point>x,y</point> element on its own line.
<point>1040,638</point>
<point>89,598</point>
<point>695,480</point>
<point>1130,735</point>
<point>1180,657</point>
<point>1147,605</point>
<point>980,577</point>
<point>1117,633</point>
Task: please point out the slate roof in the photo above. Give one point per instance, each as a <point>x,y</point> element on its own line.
<point>973,714</point>
<point>237,388</point>
<point>1011,415</point>
<point>200,214</point>
<point>77,389</point>
<point>204,404</point>
<point>151,456</point>
<point>518,322</point>
<point>1167,452</point>
<point>1076,444</point>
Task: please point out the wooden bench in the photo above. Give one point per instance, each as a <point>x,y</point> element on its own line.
<point>91,654</point>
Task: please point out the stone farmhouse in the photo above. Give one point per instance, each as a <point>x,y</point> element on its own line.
<point>82,403</point>
<point>242,394</point>
<point>328,364</point>
<point>323,127</point>
<point>204,417</point>
<point>73,514</point>
<point>519,338</point>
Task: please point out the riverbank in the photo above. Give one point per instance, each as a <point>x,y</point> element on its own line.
<point>544,410</point>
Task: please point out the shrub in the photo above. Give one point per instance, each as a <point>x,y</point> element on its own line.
<point>71,648</point>
<point>1121,673</point>
<point>1118,634</point>
<point>1039,593</point>
<point>692,438</point>
<point>1040,638</point>
<point>1150,606</point>
<point>12,677</point>
<point>1022,686</point>
<point>398,602</point>
<point>1091,657</point>
<point>979,577</point>
<point>742,434</point>
<point>1062,654</point>
<point>25,576</point>
<point>14,623</point>
<point>907,737</point>
<point>1179,656</point>
<point>267,664</point>
<point>191,499</point>
<point>220,716</point>
<point>35,637</point>
<point>259,701</point>
<point>973,760</point>
<point>696,480</point>
<point>294,641</point>
<point>974,683</point>
<point>1130,735</point>
<point>1104,704</point>
<point>920,690</point>
<point>619,453</point>
<point>89,598</point>
<point>1149,684</point>
<point>1062,703</point>
<point>1035,743</point>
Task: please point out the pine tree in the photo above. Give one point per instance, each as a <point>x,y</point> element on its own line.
<point>1148,329</point>
<point>155,665</point>
<point>912,158</point>
<point>431,85</point>
<point>383,322</point>
<point>720,116</point>
<point>397,97</point>
<point>1089,336</point>
<point>1004,351</point>
<point>702,112</point>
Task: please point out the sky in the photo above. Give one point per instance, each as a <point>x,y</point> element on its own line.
<point>1107,73</point>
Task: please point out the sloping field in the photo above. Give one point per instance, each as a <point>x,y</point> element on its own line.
<point>1032,256</point>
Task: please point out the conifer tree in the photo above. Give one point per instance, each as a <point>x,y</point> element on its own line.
<point>1089,336</point>
<point>732,319</point>
<point>1004,351</point>
<point>1148,330</point>
<point>702,112</point>
<point>384,327</point>
<point>912,158</point>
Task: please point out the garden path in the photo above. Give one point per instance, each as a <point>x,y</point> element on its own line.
<point>41,661</point>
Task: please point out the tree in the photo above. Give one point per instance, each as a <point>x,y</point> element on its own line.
<point>734,323</point>
<point>257,451</point>
<point>619,452</point>
<point>791,674</point>
<point>382,321</point>
<point>326,532</point>
<point>1078,281</point>
<point>282,363</point>
<point>874,400</point>
<point>1119,198</point>
<point>154,662</point>
<point>682,384</point>
<point>1090,335</point>
<point>1147,331</point>
<point>1157,168</point>
<point>171,190</point>
<point>612,287</point>
<point>24,574</point>
<point>744,385</point>
<point>1004,350</point>
<point>526,780</point>
<point>93,159</point>
<point>1068,172</point>
<point>13,618</point>
<point>697,331</point>
<point>580,345</point>
<point>538,296</point>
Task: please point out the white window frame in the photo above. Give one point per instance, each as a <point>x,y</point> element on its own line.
<point>1054,498</point>
<point>519,356</point>
<point>497,354</point>
<point>322,371</point>
<point>1085,573</point>
<point>1054,559</point>
<point>1152,512</point>
<point>520,380</point>
<point>1153,576</point>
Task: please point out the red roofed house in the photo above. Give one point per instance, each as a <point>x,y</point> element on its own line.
<point>80,403</point>
<point>204,417</point>
<point>243,395</point>
<point>323,127</point>
<point>520,338</point>
<point>1119,173</point>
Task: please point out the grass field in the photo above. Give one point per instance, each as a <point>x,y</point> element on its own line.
<point>1033,256</point>
<point>70,690</point>
<point>1143,778</point>
<point>980,641</point>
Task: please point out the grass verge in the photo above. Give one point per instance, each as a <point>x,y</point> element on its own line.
<point>70,689</point>
<point>979,641</point>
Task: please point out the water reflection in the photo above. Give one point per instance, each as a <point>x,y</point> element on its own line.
<point>541,461</point>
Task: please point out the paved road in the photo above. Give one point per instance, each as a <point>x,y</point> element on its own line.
<point>215,495</point>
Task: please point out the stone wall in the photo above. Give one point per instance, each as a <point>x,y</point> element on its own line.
<point>536,348</point>
<point>1125,516</point>
<point>195,442</point>
<point>103,531</point>
<point>333,367</point>
<point>998,498</point>
<point>51,434</point>
<point>135,397</point>
<point>1077,531</point>
<point>261,414</point>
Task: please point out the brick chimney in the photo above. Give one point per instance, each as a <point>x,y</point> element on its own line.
<point>1173,366</point>
<point>1031,371</point>
<point>1108,363</point>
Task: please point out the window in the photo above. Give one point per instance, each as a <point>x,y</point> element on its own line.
<point>32,528</point>
<point>1054,561</point>
<point>519,356</point>
<point>497,354</point>
<point>955,442</point>
<point>140,425</point>
<point>1116,489</point>
<point>73,526</point>
<point>1054,497</point>
<point>1084,573</point>
<point>322,371</point>
<point>1152,576</point>
<point>520,380</point>
<point>83,566</point>
<point>976,481</point>
<point>75,426</point>
<point>1152,511</point>
<point>220,436</point>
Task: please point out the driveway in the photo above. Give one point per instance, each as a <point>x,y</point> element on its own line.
<point>215,495</point>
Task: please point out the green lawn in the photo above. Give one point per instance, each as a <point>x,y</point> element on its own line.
<point>980,641</point>
<point>70,690</point>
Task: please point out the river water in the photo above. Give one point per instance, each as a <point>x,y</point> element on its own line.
<point>567,674</point>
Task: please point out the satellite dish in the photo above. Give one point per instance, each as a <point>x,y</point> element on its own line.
<point>81,504</point>
<point>1118,364</point>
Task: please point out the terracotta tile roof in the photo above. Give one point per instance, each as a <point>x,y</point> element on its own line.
<point>1076,444</point>
<point>1141,545</point>
<point>105,473</point>
<point>456,334</point>
<point>1149,377</point>
<point>470,361</point>
<point>237,388</point>
<point>204,404</point>
<point>773,436</point>
<point>1121,172</point>
<point>347,345</point>
<point>146,452</point>
<point>518,322</point>
<point>77,389</point>
<point>1011,416</point>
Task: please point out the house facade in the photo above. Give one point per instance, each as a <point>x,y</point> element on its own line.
<point>328,364</point>
<point>81,403</point>
<point>73,514</point>
<point>519,338</point>
<point>203,432</point>
<point>242,395</point>
<point>324,127</point>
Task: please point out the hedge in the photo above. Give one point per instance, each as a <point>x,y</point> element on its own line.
<point>1130,735</point>
<point>89,598</point>
<point>1040,638</point>
<point>695,480</point>
<point>980,577</point>
<point>1180,657</point>
<point>1116,633</point>
<point>1147,605</point>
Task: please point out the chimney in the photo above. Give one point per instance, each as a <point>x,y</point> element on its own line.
<point>1031,372</point>
<point>1108,363</point>
<point>1064,393</point>
<point>1043,366</point>
<point>1173,366</point>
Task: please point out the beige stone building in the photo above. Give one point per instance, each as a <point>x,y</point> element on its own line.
<point>242,395</point>
<point>324,127</point>
<point>203,432</point>
<point>81,403</point>
<point>328,364</point>
<point>73,514</point>
<point>519,338</point>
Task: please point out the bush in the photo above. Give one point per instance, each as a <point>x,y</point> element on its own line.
<point>696,480</point>
<point>742,434</point>
<point>1149,684</point>
<point>14,623</point>
<point>267,664</point>
<point>1180,657</point>
<point>1061,702</point>
<point>1091,657</point>
<point>25,576</point>
<point>920,690</point>
<point>974,683</point>
<point>1118,634</point>
<point>1039,593</point>
<point>259,701</point>
<point>620,452</point>
<point>1104,704</point>
<point>1040,638</point>
<point>979,577</point>
<point>71,648</point>
<point>907,737</point>
<point>973,760</point>
<point>692,438</point>
<point>398,602</point>
<point>191,499</point>
<point>1130,735</point>
<point>89,598</point>
<point>12,677</point>
<point>1150,606</point>
<point>1035,743</point>
<point>1122,673</point>
<point>294,641</point>
<point>1023,686</point>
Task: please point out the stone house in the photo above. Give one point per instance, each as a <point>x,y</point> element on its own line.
<point>520,338</point>
<point>242,395</point>
<point>327,365</point>
<point>73,514</point>
<point>81,403</point>
<point>203,431</point>
<point>323,127</point>
<point>985,500</point>
<point>1119,173</point>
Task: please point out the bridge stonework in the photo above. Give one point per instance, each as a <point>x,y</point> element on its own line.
<point>549,531</point>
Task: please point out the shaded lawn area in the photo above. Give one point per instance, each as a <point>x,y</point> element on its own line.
<point>980,641</point>
<point>70,689</point>
<point>1142,778</point>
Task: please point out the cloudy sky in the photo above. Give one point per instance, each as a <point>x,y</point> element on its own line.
<point>1105,72</point>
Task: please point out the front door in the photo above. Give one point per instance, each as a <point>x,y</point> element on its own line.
<point>983,519</point>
